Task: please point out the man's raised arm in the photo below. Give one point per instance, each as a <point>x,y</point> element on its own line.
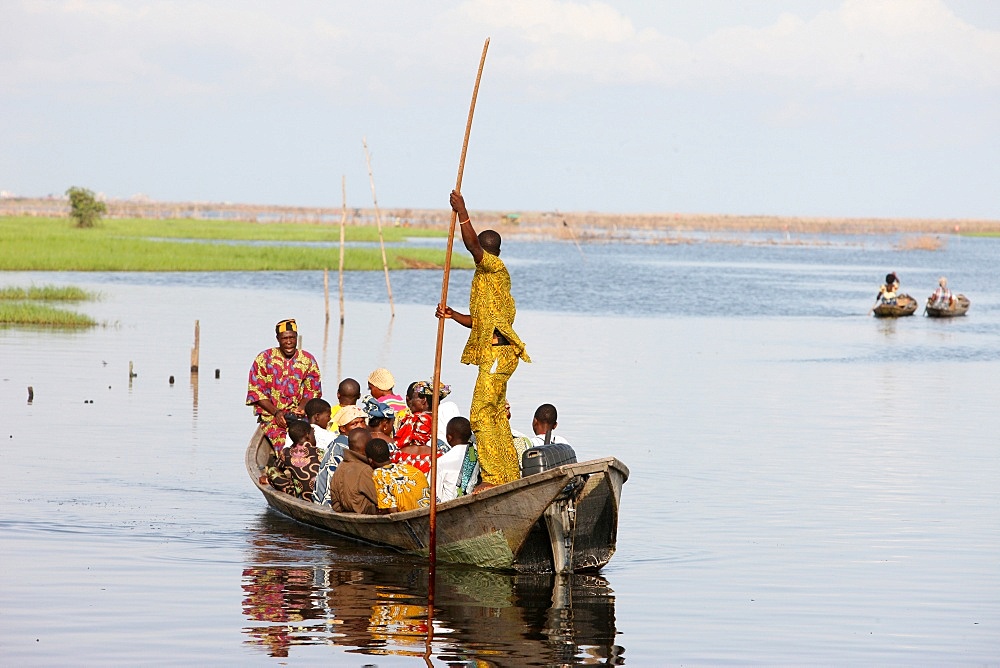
<point>468,233</point>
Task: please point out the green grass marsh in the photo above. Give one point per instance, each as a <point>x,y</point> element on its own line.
<point>31,306</point>
<point>55,244</point>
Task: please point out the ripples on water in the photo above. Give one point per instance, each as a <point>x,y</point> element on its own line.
<point>809,484</point>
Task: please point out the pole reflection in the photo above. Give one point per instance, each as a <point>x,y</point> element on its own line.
<point>304,587</point>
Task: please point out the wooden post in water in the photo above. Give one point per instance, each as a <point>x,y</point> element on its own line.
<point>197,346</point>
<point>436,389</point>
<point>343,226</point>
<point>326,292</point>
<point>378,222</point>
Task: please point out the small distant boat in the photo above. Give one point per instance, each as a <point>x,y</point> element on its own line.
<point>960,306</point>
<point>562,520</point>
<point>905,305</point>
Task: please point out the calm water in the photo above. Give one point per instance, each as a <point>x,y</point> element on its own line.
<point>809,484</point>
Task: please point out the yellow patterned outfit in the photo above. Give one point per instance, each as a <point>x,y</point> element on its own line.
<point>492,309</point>
<point>402,487</point>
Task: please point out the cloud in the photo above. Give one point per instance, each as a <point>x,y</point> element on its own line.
<point>172,48</point>
<point>862,45</point>
<point>184,48</point>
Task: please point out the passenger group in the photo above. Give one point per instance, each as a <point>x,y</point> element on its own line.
<point>373,454</point>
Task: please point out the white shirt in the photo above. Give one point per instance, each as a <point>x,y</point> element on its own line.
<point>539,439</point>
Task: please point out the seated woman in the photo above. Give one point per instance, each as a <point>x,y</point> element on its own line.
<point>381,420</point>
<point>887,293</point>
<point>297,465</point>
<point>942,297</point>
<point>413,437</point>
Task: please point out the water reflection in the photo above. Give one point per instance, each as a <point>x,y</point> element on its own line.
<point>303,587</point>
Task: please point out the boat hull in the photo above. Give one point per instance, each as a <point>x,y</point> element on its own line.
<point>561,520</point>
<point>905,305</point>
<point>960,306</point>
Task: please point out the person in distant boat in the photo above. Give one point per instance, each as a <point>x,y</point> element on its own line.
<point>543,423</point>
<point>348,394</point>
<point>942,297</point>
<point>352,487</point>
<point>493,346</point>
<point>400,487</point>
<point>297,465</point>
<point>282,380</point>
<point>887,292</point>
<point>350,418</point>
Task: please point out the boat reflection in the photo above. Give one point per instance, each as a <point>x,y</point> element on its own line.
<point>304,587</point>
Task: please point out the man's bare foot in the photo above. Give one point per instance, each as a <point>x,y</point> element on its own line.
<point>482,487</point>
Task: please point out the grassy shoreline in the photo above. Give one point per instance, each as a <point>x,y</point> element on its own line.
<point>54,244</point>
<point>30,306</point>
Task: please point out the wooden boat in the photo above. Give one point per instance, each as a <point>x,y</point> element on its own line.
<point>562,520</point>
<point>960,306</point>
<point>905,305</point>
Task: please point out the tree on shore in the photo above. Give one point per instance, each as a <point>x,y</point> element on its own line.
<point>84,207</point>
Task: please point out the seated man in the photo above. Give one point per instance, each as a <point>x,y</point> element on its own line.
<point>348,393</point>
<point>352,487</point>
<point>543,423</point>
<point>457,469</point>
<point>942,297</point>
<point>400,487</point>
<point>349,417</point>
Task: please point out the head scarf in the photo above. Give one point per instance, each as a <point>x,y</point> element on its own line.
<point>424,388</point>
<point>376,409</point>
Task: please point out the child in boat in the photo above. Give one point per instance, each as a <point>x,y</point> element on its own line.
<point>318,415</point>
<point>457,469</point>
<point>297,465</point>
<point>400,487</point>
<point>887,293</point>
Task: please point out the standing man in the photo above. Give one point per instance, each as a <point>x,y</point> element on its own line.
<point>282,380</point>
<point>493,346</point>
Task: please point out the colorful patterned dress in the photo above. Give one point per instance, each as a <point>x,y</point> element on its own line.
<point>415,429</point>
<point>295,471</point>
<point>492,309</point>
<point>287,382</point>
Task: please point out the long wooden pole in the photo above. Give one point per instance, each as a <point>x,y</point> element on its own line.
<point>435,399</point>
<point>343,225</point>
<point>378,221</point>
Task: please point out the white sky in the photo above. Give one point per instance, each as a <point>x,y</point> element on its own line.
<point>887,108</point>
